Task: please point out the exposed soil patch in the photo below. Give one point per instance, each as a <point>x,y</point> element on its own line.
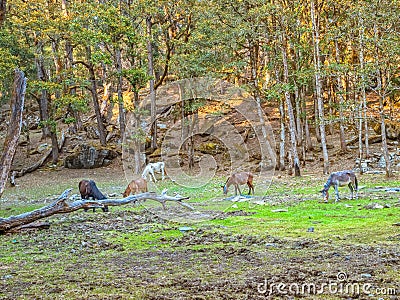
<point>221,267</point>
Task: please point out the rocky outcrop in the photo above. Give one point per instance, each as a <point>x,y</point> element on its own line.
<point>392,129</point>
<point>89,157</point>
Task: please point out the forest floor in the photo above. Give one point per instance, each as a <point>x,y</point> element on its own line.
<point>284,243</point>
<point>291,246</point>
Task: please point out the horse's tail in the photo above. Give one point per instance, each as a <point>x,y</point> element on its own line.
<point>95,191</point>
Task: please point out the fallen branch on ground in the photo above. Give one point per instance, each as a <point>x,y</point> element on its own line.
<point>60,206</point>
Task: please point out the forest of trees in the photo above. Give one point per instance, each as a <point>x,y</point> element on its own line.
<point>336,54</point>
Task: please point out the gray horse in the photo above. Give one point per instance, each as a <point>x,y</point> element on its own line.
<point>340,178</point>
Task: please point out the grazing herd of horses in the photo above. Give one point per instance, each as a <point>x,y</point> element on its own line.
<point>89,190</point>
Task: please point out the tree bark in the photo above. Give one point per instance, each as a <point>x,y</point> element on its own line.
<point>150,59</point>
<point>309,144</point>
<point>388,163</point>
<point>44,99</point>
<point>282,142</point>
<point>363,85</point>
<point>14,128</point>
<point>360,138</point>
<point>70,66</point>
<point>318,85</point>
<point>3,9</point>
<point>381,90</point>
<point>299,127</point>
<point>289,107</point>
<point>340,92</point>
<point>121,109</point>
<point>60,206</point>
<point>93,90</point>
<point>138,145</point>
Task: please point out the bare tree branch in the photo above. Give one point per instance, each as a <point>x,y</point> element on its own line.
<point>60,206</point>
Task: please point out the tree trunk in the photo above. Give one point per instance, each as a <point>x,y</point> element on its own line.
<point>93,90</point>
<point>137,139</point>
<point>119,91</point>
<point>299,127</point>
<point>69,66</point>
<point>191,123</point>
<point>385,150</point>
<point>292,132</point>
<point>289,107</point>
<point>150,59</point>
<point>339,93</point>
<point>360,139</point>
<point>282,142</point>
<point>43,100</point>
<point>3,9</point>
<point>55,153</point>
<point>381,90</point>
<point>316,118</point>
<point>363,85</point>
<point>14,127</point>
<point>254,57</point>
<point>318,85</point>
<point>330,88</point>
<point>72,91</point>
<point>309,144</point>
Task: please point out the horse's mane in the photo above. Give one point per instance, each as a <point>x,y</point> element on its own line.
<point>228,180</point>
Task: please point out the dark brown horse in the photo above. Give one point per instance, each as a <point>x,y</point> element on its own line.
<point>88,189</point>
<point>136,186</point>
<point>237,179</point>
<point>340,178</point>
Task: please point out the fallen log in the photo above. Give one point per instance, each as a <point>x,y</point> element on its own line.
<point>371,140</point>
<point>61,206</point>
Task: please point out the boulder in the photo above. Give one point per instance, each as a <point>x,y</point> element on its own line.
<point>392,128</point>
<point>89,157</point>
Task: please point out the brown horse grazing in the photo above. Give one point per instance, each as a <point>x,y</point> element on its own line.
<point>136,186</point>
<point>88,189</point>
<point>237,179</point>
<point>340,178</point>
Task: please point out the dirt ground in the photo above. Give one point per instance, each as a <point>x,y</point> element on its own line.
<point>199,264</point>
<point>239,267</point>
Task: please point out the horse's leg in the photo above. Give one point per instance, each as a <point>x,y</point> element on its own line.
<point>162,173</point>
<point>240,193</point>
<point>251,187</point>
<point>355,183</point>
<point>351,189</point>
<point>154,177</point>
<point>337,192</point>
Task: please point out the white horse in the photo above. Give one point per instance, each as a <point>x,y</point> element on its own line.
<point>158,167</point>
